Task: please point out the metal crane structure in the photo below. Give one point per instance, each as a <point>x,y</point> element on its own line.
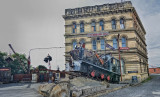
<point>20,61</point>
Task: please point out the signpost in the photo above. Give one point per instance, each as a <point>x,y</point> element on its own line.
<point>47,60</point>
<point>119,55</point>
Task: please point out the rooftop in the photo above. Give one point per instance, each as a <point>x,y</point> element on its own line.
<point>154,66</point>
<point>98,8</point>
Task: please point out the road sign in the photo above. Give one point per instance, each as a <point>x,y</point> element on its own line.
<point>97,34</point>
<point>109,46</point>
<point>124,48</point>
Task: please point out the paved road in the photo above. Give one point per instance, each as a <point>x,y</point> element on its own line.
<point>148,89</point>
<point>19,90</point>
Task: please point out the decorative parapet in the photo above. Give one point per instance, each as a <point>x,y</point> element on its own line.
<point>97,8</point>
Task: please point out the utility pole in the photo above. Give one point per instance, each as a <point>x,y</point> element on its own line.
<point>119,56</point>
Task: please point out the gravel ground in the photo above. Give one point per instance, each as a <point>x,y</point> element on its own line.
<point>148,89</point>
<point>20,90</point>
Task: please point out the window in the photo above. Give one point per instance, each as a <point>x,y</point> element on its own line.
<point>94,45</point>
<point>93,26</point>
<point>154,70</point>
<point>122,66</point>
<point>74,28</point>
<point>123,42</point>
<point>115,43</point>
<point>81,27</point>
<point>113,24</point>
<point>122,23</point>
<point>145,67</point>
<point>102,44</point>
<point>82,41</point>
<point>74,44</point>
<point>101,25</point>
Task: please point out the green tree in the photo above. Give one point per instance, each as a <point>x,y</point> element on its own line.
<point>42,68</point>
<point>16,64</point>
<point>2,59</point>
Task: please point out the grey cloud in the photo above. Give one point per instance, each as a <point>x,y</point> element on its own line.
<point>30,24</point>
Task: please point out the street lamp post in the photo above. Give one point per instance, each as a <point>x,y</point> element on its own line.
<point>29,57</point>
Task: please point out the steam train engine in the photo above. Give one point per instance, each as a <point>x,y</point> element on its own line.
<point>92,65</point>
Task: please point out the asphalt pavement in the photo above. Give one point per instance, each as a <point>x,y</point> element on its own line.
<point>20,90</point>
<point>147,89</point>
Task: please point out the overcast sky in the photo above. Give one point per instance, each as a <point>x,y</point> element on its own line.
<point>28,24</point>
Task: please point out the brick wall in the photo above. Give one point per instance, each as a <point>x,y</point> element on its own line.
<point>154,70</point>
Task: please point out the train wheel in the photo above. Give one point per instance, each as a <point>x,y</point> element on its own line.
<point>108,78</point>
<point>93,73</point>
<point>102,76</point>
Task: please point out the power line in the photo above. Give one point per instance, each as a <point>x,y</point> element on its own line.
<point>45,48</point>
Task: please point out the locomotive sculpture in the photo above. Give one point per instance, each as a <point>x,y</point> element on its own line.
<point>91,64</point>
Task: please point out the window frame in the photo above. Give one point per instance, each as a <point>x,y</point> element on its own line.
<point>74,28</point>
<point>124,42</point>
<point>113,22</point>
<point>102,44</point>
<point>93,26</point>
<point>115,42</point>
<point>73,45</point>
<point>94,44</point>
<point>101,25</point>
<point>82,27</point>
<point>123,68</point>
<point>122,25</point>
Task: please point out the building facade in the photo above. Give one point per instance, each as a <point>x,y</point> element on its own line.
<point>111,20</point>
<point>154,69</point>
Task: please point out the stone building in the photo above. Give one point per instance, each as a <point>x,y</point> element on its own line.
<point>99,25</point>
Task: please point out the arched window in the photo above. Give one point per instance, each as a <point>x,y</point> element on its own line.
<point>115,43</point>
<point>113,24</point>
<point>94,44</point>
<point>123,70</point>
<point>123,42</point>
<point>122,23</point>
<point>101,25</point>
<point>74,28</point>
<point>82,41</point>
<point>102,44</point>
<point>81,27</point>
<point>93,26</point>
<point>74,44</point>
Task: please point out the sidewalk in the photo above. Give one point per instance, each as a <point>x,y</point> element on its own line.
<point>112,87</point>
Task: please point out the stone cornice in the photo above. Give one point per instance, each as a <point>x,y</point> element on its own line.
<point>98,13</point>
<point>132,62</point>
<point>130,51</point>
<point>89,42</point>
<point>110,32</point>
<point>97,8</point>
<point>88,23</point>
<point>138,19</point>
<point>140,37</point>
